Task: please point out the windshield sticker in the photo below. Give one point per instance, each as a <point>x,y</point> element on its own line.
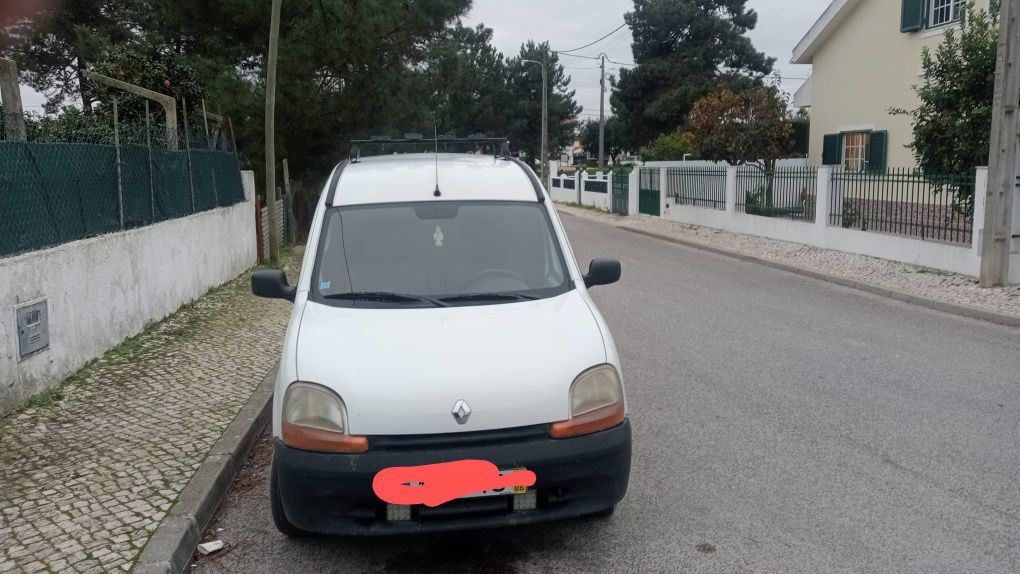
<point>438,236</point>
<point>325,284</point>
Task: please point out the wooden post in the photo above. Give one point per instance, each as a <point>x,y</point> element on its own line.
<point>10,93</point>
<point>120,178</point>
<point>1002,162</point>
<point>289,205</point>
<point>169,103</point>
<point>187,148</point>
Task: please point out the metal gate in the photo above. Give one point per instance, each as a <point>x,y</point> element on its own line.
<point>649,201</point>
<point>621,193</point>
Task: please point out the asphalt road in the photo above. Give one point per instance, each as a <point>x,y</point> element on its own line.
<point>781,424</point>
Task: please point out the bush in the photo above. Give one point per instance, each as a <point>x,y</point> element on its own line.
<point>668,147</point>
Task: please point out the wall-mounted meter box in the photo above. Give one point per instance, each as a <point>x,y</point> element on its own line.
<point>33,328</point>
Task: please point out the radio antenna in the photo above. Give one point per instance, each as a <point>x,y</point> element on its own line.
<point>435,136</point>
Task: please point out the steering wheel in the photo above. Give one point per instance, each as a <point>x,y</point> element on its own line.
<point>505,273</point>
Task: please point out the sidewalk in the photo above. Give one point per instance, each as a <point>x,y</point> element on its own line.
<point>88,471</point>
<point>900,277</point>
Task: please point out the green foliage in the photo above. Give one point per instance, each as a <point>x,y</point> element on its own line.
<point>347,69</point>
<point>152,67</point>
<point>53,42</point>
<point>952,125</point>
<point>684,49</point>
<point>801,133</point>
<point>667,147</point>
<point>589,136</point>
<point>748,128</point>
<point>70,125</point>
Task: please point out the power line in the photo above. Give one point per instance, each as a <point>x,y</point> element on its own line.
<point>628,64</point>
<point>620,27</point>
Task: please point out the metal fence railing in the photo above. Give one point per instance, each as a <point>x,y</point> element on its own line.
<point>788,192</point>
<point>905,201</point>
<point>697,186</point>
<point>68,182</point>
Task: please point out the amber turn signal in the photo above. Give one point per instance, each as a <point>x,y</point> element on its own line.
<point>318,440</point>
<point>594,421</point>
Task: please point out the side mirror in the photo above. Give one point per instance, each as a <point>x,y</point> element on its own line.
<point>602,272</point>
<point>272,284</point>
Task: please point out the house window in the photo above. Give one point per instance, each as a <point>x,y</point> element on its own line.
<point>855,150</point>
<point>944,12</point>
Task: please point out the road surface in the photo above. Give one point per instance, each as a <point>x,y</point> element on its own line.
<point>781,424</point>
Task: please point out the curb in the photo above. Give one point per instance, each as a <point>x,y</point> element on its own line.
<point>919,300</point>
<point>171,546</point>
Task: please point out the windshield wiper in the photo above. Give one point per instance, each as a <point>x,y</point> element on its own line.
<point>488,297</point>
<point>385,297</point>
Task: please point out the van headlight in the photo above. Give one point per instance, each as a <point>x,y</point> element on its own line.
<point>315,419</point>
<point>596,403</point>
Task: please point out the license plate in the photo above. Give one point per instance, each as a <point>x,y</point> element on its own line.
<point>500,491</point>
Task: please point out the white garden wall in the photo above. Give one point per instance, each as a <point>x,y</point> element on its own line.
<point>104,289</point>
<point>955,258</point>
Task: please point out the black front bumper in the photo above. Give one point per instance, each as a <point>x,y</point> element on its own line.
<point>332,493</point>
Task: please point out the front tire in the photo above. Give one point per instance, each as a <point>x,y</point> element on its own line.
<point>276,505</point>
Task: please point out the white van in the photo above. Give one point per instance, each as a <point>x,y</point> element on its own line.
<point>440,316</point>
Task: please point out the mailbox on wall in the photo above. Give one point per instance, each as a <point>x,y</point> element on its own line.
<point>33,328</point>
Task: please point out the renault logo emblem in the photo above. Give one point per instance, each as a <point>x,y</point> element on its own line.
<point>461,412</point>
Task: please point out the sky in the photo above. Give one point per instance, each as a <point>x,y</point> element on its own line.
<point>567,24</point>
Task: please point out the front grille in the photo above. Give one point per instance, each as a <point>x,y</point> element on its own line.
<point>455,440</point>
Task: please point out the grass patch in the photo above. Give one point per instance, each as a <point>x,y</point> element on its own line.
<point>45,399</point>
<point>587,207</point>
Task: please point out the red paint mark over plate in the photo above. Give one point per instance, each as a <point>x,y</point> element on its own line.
<point>435,484</point>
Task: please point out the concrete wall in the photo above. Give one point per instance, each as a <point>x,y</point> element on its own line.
<point>865,68</point>
<point>104,289</point>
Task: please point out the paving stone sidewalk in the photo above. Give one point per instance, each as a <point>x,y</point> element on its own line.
<point>87,472</point>
<point>910,279</point>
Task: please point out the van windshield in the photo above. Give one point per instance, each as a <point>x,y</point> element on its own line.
<point>438,254</point>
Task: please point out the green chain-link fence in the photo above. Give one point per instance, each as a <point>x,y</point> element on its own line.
<point>52,193</point>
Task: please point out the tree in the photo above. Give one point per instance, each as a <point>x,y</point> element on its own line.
<point>524,122</point>
<point>952,124</point>
<point>751,128</point>
<point>54,42</point>
<point>684,49</point>
<point>672,146</point>
<point>801,133</point>
<point>589,136</point>
<point>467,82</point>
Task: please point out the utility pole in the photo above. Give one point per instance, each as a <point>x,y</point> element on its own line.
<point>1002,161</point>
<point>545,120</point>
<point>274,41</point>
<point>602,115</point>
<point>10,93</point>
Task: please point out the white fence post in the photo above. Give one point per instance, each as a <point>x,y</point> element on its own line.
<point>823,194</point>
<point>633,189</point>
<point>663,195</point>
<point>731,189</point>
<point>980,190</point>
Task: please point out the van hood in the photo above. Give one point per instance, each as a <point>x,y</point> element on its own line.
<point>401,371</point>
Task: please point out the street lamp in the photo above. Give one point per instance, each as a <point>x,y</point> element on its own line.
<point>545,121</point>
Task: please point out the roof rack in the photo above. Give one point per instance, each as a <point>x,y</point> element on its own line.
<point>500,146</point>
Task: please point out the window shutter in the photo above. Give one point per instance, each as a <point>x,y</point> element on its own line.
<point>832,149</point>
<point>912,16</point>
<point>878,151</point>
